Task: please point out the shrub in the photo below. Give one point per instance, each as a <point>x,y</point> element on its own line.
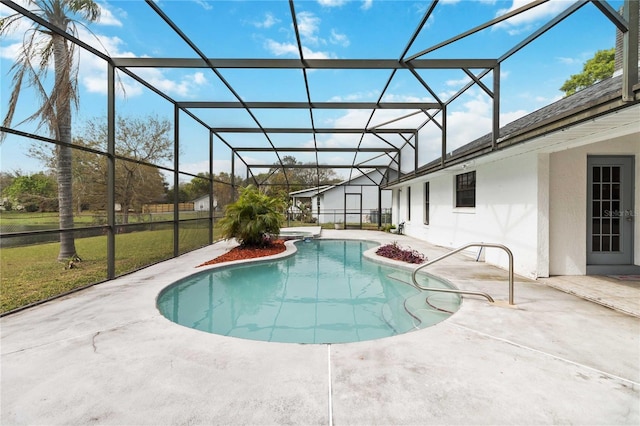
<point>394,251</point>
<point>31,207</point>
<point>387,227</point>
<point>252,218</point>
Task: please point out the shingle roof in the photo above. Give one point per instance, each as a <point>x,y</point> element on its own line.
<point>581,101</point>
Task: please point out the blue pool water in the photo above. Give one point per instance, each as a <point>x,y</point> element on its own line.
<point>326,293</point>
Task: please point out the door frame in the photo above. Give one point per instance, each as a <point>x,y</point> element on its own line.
<point>622,214</point>
<point>358,196</point>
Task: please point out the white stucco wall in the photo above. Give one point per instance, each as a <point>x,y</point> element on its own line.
<point>534,203</point>
<point>568,200</point>
<point>509,194</point>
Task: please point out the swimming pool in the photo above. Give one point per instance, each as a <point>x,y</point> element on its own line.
<point>326,293</point>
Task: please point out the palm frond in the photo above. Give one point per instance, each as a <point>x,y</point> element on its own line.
<point>38,43</point>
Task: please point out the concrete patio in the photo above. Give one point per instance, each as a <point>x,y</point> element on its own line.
<point>105,355</point>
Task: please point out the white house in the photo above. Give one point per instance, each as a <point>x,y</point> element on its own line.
<point>356,201</point>
<point>202,203</point>
<point>560,189</point>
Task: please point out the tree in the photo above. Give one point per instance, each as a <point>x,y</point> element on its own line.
<point>198,187</point>
<point>139,140</point>
<point>596,69</point>
<point>84,185</point>
<point>182,194</point>
<point>85,189</point>
<point>222,189</point>
<point>297,177</point>
<point>35,192</point>
<point>252,218</point>
<point>311,176</point>
<point>42,46</point>
<point>6,179</point>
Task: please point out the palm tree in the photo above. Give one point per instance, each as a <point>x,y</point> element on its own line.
<point>252,219</point>
<point>40,48</point>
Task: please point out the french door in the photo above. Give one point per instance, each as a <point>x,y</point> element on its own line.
<point>610,210</point>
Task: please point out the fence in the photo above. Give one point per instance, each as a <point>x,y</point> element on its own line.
<point>353,218</point>
<point>166,208</point>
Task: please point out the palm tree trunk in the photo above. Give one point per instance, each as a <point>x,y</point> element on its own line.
<point>62,64</point>
<point>65,204</point>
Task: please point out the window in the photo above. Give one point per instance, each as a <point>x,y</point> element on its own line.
<point>466,189</point>
<point>409,203</point>
<point>426,203</point>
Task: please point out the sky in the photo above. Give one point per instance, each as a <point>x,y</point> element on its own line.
<point>329,29</point>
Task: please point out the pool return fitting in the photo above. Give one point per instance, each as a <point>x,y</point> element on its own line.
<point>476,293</point>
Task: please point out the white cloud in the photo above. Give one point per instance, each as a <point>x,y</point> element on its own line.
<point>512,116</point>
<point>353,118</point>
<point>464,125</point>
<point>340,39</point>
<point>358,96</point>
<point>391,97</point>
<point>568,61</point>
<point>479,106</point>
<point>268,21</point>
<point>93,73</point>
<point>471,120</point>
<point>280,49</point>
<point>185,86</point>
<point>19,27</point>
<point>97,83</point>
<point>205,5</point>
<point>311,54</point>
<point>366,4</point>
<point>458,83</point>
<point>203,167</point>
<point>331,3</point>
<point>543,100</point>
<point>92,68</point>
<point>527,20</point>
<point>110,45</point>
<point>10,51</point>
<point>199,78</point>
<point>308,26</point>
<point>107,17</point>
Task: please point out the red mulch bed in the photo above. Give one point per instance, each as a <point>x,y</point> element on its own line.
<point>241,253</point>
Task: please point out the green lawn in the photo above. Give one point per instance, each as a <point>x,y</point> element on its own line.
<point>88,218</point>
<point>32,273</point>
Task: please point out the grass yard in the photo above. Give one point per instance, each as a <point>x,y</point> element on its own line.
<point>87,218</point>
<point>31,273</point>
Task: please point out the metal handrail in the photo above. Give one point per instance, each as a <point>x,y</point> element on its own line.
<point>431,262</point>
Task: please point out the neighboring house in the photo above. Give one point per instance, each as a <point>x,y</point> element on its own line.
<point>202,203</point>
<point>295,213</point>
<point>356,201</point>
<point>561,189</point>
